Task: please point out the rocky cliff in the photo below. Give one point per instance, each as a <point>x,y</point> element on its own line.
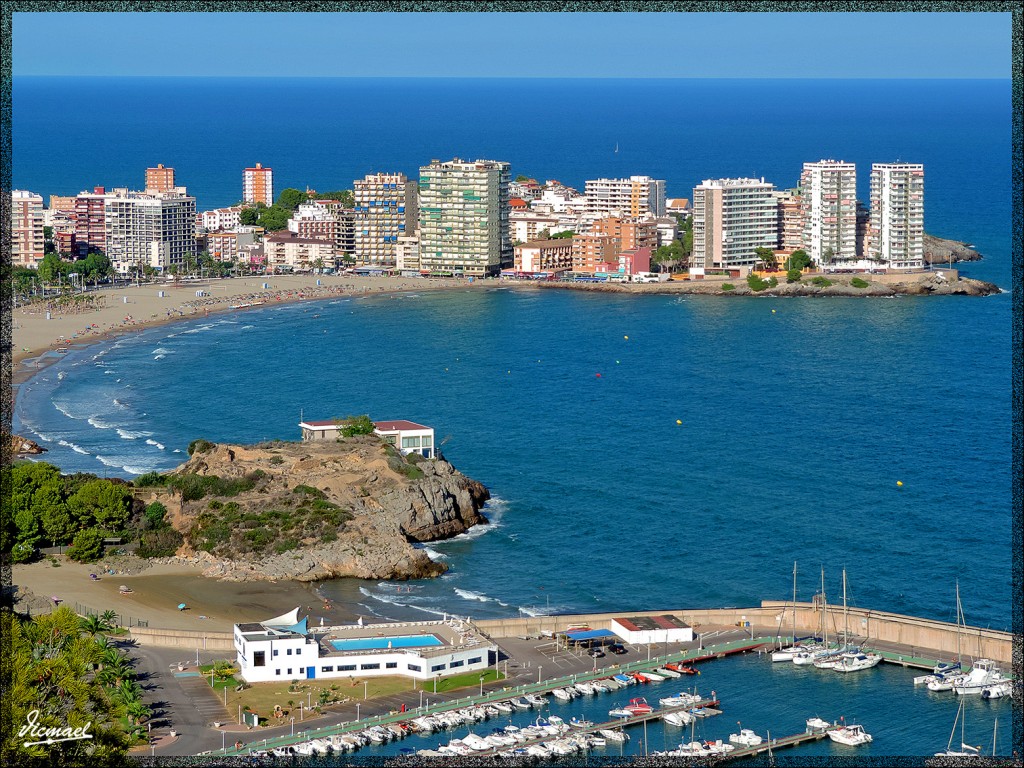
<point>940,251</point>
<point>22,445</point>
<point>320,509</point>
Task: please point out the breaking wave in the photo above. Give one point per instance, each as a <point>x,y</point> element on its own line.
<point>73,447</point>
<point>154,442</point>
<point>466,594</point>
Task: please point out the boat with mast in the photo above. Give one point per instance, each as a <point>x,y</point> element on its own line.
<point>831,659</point>
<point>945,680</point>
<point>809,653</point>
<point>787,654</point>
<point>966,750</point>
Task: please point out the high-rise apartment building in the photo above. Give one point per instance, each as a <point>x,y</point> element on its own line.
<point>90,224</point>
<point>635,196</point>
<point>386,208</point>
<point>149,230</point>
<point>27,245</point>
<point>630,233</point>
<point>790,221</point>
<point>590,250</point>
<point>258,185</point>
<point>160,179</point>
<point>464,217</point>
<point>896,234</point>
<point>732,218</point>
<point>828,205</point>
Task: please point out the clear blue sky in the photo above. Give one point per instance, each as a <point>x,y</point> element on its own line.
<point>904,45</point>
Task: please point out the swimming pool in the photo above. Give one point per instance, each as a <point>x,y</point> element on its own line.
<point>400,641</point>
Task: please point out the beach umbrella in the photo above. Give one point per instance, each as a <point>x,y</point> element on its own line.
<point>181,606</point>
<point>123,588</point>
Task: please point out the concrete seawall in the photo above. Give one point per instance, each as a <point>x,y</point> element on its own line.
<point>878,626</point>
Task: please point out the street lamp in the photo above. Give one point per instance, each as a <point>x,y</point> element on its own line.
<point>366,689</point>
<point>539,670</point>
<point>482,684</point>
<point>357,710</point>
<point>293,726</point>
<point>223,741</point>
<point>435,683</point>
<point>421,698</point>
<point>309,699</point>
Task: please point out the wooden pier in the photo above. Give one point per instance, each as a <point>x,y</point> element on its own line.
<point>765,746</point>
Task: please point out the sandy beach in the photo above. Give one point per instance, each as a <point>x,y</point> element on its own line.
<point>156,592</point>
<point>128,309</point>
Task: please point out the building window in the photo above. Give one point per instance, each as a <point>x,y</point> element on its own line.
<point>476,660</point>
<point>327,669</point>
<point>437,667</point>
<point>277,671</point>
<point>456,664</point>
<point>302,670</point>
<point>289,651</point>
<point>410,442</point>
<point>414,667</point>
<point>275,651</point>
<point>346,667</point>
<point>259,659</point>
<point>391,665</point>
<point>369,666</point>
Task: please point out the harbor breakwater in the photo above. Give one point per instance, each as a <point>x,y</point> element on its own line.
<point>876,626</point>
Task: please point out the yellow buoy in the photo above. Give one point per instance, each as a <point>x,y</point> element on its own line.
<point>899,483</point>
<point>626,338</point>
<point>773,311</point>
<point>679,421</point>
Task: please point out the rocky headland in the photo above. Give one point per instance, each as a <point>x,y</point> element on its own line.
<point>938,250</point>
<point>316,510</point>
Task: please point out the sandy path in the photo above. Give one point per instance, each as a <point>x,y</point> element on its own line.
<point>158,590</point>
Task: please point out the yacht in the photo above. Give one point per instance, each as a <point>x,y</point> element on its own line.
<point>638,706</point>
<point>616,736</point>
<point>983,674</point>
<point>679,717</point>
<point>966,750</point>
<point>561,693</point>
<point>854,662</point>
<point>817,725</point>
<point>998,690</point>
<point>851,735</point>
<point>746,738</point>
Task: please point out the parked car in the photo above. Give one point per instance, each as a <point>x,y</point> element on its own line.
<point>597,653</point>
<point>618,650</point>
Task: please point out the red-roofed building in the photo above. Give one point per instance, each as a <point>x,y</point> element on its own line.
<point>406,436</point>
<point>517,204</point>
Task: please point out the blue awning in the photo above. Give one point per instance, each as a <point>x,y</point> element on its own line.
<point>590,634</point>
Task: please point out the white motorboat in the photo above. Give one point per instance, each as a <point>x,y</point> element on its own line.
<point>538,750</point>
<point>998,690</point>
<point>653,677</point>
<point>561,694</point>
<point>679,717</point>
<point>817,725</point>
<point>944,682</point>
<point>597,741</point>
<point>851,735</point>
<point>718,747</point>
<point>785,654</point>
<point>476,743</point>
<point>585,688</point>
<point>693,749</point>
<point>600,686</point>
<point>679,700</point>
<point>561,747</point>
<point>619,712</point>
<point>746,737</point>
<point>983,674</point>
<point>503,706</point>
<point>556,721</point>
<point>612,684</point>
<point>854,662</point>
<point>580,723</point>
<point>520,703</point>
<point>534,700</point>
<point>616,736</point>
<point>665,672</point>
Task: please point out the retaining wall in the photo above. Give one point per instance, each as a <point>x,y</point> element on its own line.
<point>184,638</point>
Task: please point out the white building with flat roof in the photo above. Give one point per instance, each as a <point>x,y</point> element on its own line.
<point>635,196</point>
<point>896,234</point>
<point>732,218</point>
<point>287,648</point>
<point>406,436</point>
<point>828,208</point>
<point>652,629</point>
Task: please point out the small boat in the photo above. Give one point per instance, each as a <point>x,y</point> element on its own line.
<point>854,662</point>
<point>679,700</point>
<point>585,688</point>
<point>942,669</point>
<point>611,683</point>
<point>624,679</point>
<point>718,747</point>
<point>620,712</point>
<point>681,718</point>
<point>600,686</point>
<point>682,669</point>
<point>597,741</point>
<point>983,673</point>
<point>561,693</point>
<point>638,706</point>
<point>556,721</point>
<point>966,750</point>
<point>998,690</point>
<point>581,723</point>
<point>639,678</point>
<point>666,672</point>
<point>746,737</point>
<point>534,700</point>
<point>817,725</point>
<point>616,736</point>
<point>851,735</point>
<point>520,703</point>
<point>654,677</point>
<point>505,707</point>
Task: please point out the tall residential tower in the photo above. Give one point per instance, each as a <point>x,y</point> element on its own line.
<point>258,185</point>
<point>828,207</point>
<point>896,234</point>
<point>732,218</point>
<point>464,217</point>
<point>386,208</point>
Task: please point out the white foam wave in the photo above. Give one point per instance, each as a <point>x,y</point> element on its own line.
<point>433,554</point>
<point>199,329</point>
<point>135,470</point>
<point>493,510</point>
<point>162,351</point>
<point>63,410</point>
<point>160,357</point>
<point>108,371</point>
<point>109,462</point>
<point>246,327</point>
<point>466,594</point>
<point>154,442</point>
<point>127,434</point>
<point>61,375</point>
<point>176,450</point>
<point>73,447</point>
<point>392,601</point>
<point>99,423</point>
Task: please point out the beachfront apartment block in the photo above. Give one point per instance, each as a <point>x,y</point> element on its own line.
<point>525,226</point>
<point>27,242</point>
<point>630,232</point>
<point>544,256</point>
<point>896,232</point>
<point>635,196</point>
<point>732,218</point>
<point>828,207</point>
<point>407,254</point>
<point>316,222</point>
<point>220,218</point>
<point>386,208</point>
<point>258,185</point>
<point>592,249</point>
<point>159,179</point>
<point>228,246</point>
<point>154,230</point>
<point>286,251</point>
<point>90,222</point>
<point>790,221</point>
<point>463,217</point>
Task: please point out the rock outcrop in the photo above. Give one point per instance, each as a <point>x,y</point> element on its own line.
<point>22,445</point>
<point>384,503</point>
<point>940,251</point>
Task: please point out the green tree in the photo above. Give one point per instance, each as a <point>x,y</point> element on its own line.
<point>520,178</point>
<point>94,267</point>
<point>274,218</point>
<point>291,198</point>
<point>356,425</point>
<point>798,260</point>
<point>223,669</point>
<point>101,501</point>
<point>155,513</point>
<point>52,268</point>
<point>87,546</point>
<point>343,196</point>
<point>793,276</point>
<point>94,625</point>
<point>49,508</point>
<point>249,216</point>
<point>567,234</point>
<point>48,246</point>
<point>767,257</point>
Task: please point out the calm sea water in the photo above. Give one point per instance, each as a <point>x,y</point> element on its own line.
<point>796,424</point>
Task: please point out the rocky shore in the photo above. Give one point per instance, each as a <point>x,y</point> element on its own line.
<point>380,503</point>
<point>938,250</point>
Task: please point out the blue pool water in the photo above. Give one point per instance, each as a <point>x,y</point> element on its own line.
<point>373,643</point>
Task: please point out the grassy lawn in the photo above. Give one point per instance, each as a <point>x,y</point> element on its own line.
<point>262,697</point>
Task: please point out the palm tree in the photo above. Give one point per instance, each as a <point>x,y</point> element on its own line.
<point>223,669</point>
<point>93,625</point>
<point>109,617</point>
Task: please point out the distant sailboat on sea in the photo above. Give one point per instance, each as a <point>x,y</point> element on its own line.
<point>616,147</point>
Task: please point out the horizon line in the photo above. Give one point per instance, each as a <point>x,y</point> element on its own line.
<point>1008,78</point>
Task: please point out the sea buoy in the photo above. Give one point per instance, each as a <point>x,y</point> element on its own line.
<point>598,375</point>
<point>899,483</point>
<point>626,338</point>
<point>773,311</point>
<point>679,421</point>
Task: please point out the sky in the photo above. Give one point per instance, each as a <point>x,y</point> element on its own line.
<point>633,45</point>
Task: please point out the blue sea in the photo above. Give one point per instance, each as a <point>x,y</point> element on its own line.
<point>795,424</point>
